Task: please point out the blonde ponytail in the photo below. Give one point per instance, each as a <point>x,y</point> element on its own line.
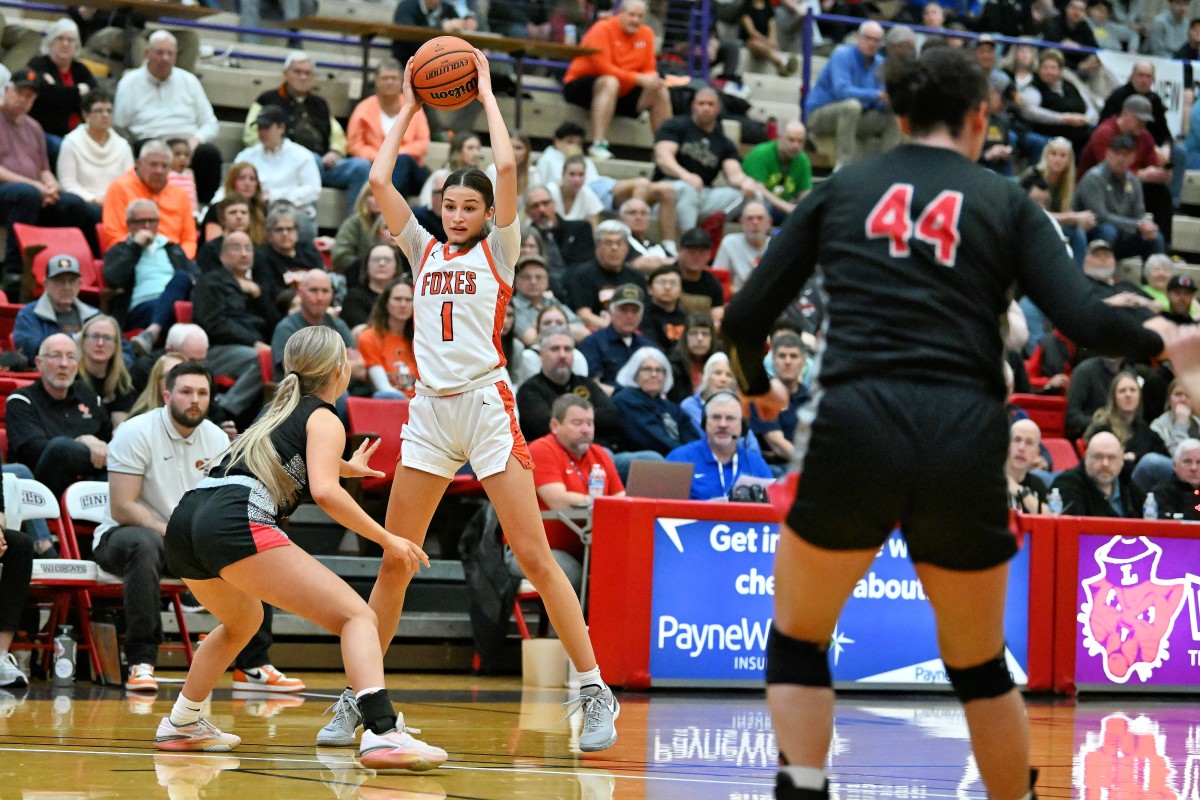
<point>311,356</point>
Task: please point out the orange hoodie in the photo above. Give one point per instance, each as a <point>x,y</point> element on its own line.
<point>621,55</point>
<point>364,134</point>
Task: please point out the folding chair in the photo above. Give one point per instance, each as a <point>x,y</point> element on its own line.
<point>87,501</point>
<point>60,582</point>
<point>579,521</point>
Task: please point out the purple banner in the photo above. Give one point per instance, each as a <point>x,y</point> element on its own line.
<point>1138,620</point>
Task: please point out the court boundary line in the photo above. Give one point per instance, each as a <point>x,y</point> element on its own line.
<point>455,768</point>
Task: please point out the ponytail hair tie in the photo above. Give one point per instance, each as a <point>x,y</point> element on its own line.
<point>297,374</point>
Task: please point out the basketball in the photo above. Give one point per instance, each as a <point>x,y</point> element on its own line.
<point>444,74</point>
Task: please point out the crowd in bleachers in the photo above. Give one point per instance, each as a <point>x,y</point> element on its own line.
<point>626,263</point>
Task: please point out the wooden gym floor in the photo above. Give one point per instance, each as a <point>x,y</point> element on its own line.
<point>507,742</point>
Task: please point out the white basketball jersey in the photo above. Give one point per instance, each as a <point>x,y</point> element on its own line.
<point>459,299</point>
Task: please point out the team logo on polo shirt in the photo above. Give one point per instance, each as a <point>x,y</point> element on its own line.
<point>85,411</point>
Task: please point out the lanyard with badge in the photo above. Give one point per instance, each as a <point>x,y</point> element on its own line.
<point>721,470</point>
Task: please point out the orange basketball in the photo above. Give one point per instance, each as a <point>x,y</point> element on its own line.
<point>444,74</point>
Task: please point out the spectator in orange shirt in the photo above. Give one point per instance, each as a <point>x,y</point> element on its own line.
<point>563,461</point>
<point>148,181</point>
<point>622,78</point>
<point>373,118</point>
<point>386,342</point>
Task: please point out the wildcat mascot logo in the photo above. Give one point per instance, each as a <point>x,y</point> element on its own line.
<point>1130,612</point>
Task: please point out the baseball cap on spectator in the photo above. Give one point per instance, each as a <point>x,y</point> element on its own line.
<point>1122,142</point>
<point>1098,244</point>
<point>1181,282</point>
<point>1138,106</point>
<point>627,294</point>
<point>271,115</point>
<point>985,39</point>
<point>524,261</point>
<point>24,78</point>
<point>61,265</point>
<point>696,237</point>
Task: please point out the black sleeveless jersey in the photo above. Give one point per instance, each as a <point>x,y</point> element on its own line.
<point>291,443</point>
<point>918,252</point>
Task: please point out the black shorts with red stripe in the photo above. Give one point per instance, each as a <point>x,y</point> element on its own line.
<point>211,528</point>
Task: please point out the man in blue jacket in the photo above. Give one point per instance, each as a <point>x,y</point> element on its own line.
<point>58,310</point>
<point>721,456</point>
<point>848,100</point>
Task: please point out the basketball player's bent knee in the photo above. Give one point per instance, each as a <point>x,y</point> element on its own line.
<point>796,662</point>
<point>983,681</point>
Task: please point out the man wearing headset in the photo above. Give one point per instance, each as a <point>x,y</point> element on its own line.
<point>721,457</point>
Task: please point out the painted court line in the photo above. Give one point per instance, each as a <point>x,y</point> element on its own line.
<point>315,762</point>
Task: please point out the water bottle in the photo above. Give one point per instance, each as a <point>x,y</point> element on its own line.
<point>404,377</point>
<point>596,481</point>
<point>64,656</point>
<point>1150,507</point>
<point>570,34</point>
<point>1055,502</point>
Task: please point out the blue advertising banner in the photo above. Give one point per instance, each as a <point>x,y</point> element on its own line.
<point>712,605</point>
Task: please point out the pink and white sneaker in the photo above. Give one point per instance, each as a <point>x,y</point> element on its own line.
<point>397,749</point>
<point>199,735</point>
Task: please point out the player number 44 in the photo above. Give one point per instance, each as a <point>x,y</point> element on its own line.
<point>937,224</point>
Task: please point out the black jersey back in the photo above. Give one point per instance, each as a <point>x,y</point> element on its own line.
<point>291,443</point>
<point>918,250</point>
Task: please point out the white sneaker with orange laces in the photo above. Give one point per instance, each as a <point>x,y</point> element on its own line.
<point>141,679</point>
<point>397,749</point>
<point>265,679</point>
<point>199,735</point>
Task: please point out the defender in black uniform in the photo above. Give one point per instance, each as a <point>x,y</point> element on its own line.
<point>917,251</point>
<point>224,540</point>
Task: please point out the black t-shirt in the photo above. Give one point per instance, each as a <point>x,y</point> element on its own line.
<point>592,285</point>
<point>291,445</point>
<point>920,251</point>
<point>700,152</point>
<point>708,286</point>
<point>760,18</point>
<point>664,328</point>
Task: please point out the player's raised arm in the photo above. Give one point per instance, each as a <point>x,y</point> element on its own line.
<point>502,150</point>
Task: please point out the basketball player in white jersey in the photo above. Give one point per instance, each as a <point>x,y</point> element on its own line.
<point>463,409</point>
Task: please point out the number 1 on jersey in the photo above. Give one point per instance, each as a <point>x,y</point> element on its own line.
<point>447,322</point>
<point>891,219</point>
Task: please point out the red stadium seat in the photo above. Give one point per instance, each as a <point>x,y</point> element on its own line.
<point>183,310</point>
<point>1062,453</point>
<point>38,245</point>
<point>382,419</point>
<point>266,366</point>
<point>1048,411</point>
<point>8,320</point>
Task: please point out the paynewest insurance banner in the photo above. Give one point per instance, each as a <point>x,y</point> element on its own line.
<point>712,606</point>
<point>1138,623</point>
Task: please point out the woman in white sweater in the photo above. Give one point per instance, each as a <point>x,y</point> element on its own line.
<point>92,155</point>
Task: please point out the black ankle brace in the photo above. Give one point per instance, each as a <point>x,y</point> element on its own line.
<point>377,712</point>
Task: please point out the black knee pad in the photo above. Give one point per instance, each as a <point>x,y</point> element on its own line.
<point>377,712</point>
<point>797,663</point>
<point>982,681</point>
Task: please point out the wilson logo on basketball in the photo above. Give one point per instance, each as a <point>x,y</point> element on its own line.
<point>444,68</point>
<point>465,89</point>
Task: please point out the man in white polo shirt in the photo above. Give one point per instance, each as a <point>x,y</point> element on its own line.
<point>153,460</point>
